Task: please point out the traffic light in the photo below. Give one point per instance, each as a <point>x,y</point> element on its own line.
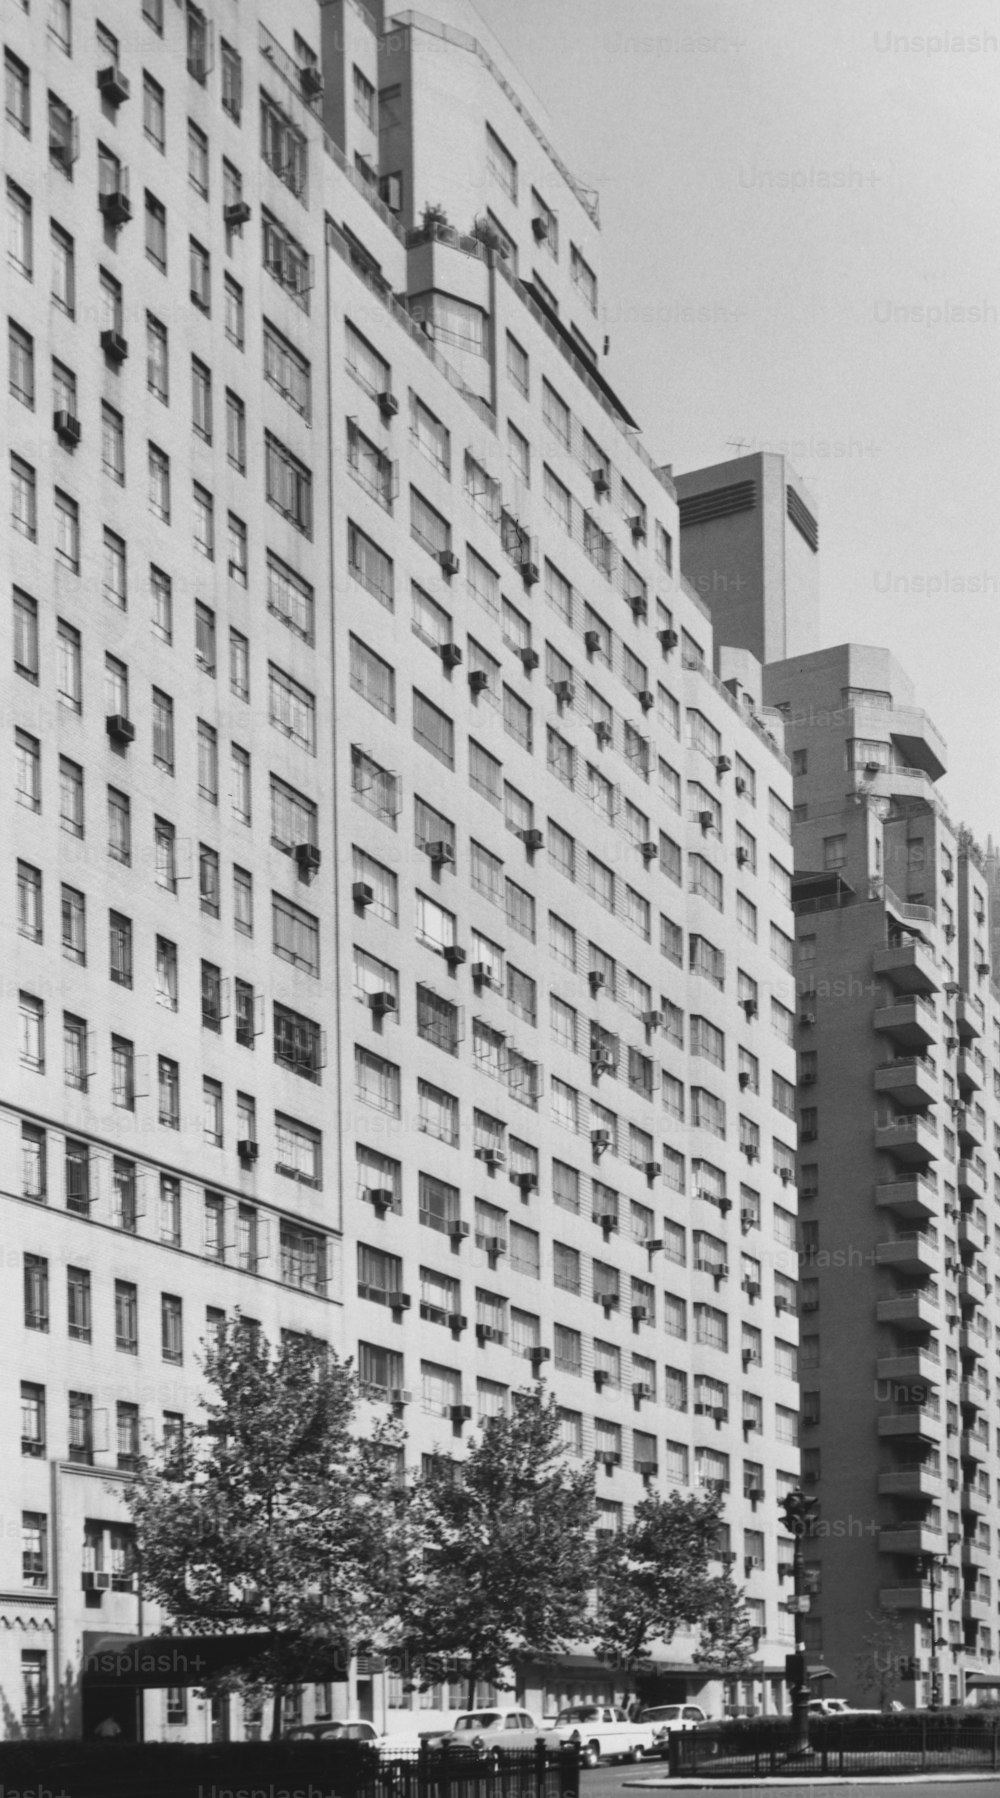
<point>795,1672</point>
<point>798,1511</point>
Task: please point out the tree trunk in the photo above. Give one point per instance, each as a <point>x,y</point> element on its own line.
<point>279,1693</point>
<point>472,1692</point>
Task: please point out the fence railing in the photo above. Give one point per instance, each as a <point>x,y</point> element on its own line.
<point>917,1742</point>
<point>120,1769</point>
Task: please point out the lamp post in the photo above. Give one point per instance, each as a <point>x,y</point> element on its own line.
<point>927,1567</point>
<point>797,1514</point>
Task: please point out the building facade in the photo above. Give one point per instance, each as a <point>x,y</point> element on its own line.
<point>899,1126</point>
<point>400,904</point>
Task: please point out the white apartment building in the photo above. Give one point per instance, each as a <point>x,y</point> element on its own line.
<point>398,931</point>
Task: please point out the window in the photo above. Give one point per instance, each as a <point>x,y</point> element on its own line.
<point>170,1210</point>
<point>200,275</point>
<point>427,525</point>
<point>303,1257</point>
<point>501,164</point>
<point>295,934</point>
<point>289,598</point>
<point>197,159</point>
<point>211,1112</point>
<point>24,514</point>
<point>21,364</point>
<point>288,484</point>
<point>433,729</point>
<point>115,570</point>
<point>19,245</point>
<point>298,1043</point>
<point>430,436</point>
<point>113,444</point>
<point>26,636</point>
<point>163,731</point>
<point>153,112</point>
<point>156,232</point>
<point>236,432</point>
<point>17,93</point>
<point>34,1572</point>
<point>126,1317</point>
<point>437,1113</point>
<point>122,1074</point>
<point>171,1328</point>
<point>583,279</point>
<point>32,1415</point>
<point>240,791</point>
<point>286,370</point>
<point>292,708</point>
<point>71,796</point>
<point>203,513</point>
<point>283,146</point>
<point>233,318</point>
<point>159,493</point>
<point>231,68</point>
<point>286,260</point>
<point>201,399</point>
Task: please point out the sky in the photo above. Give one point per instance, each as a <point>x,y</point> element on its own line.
<point>801,228</point>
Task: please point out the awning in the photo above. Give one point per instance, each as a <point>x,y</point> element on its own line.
<point>820,1673</point>
<point>976,1682</point>
<point>111,1661</point>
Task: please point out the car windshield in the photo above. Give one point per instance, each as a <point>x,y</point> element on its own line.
<point>660,1713</point>
<point>580,1713</point>
<point>478,1720</point>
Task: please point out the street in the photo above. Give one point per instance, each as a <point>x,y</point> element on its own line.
<point>619,1782</point>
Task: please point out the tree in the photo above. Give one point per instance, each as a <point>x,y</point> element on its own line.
<point>876,1664</point>
<point>503,1557</point>
<point>729,1640</point>
<point>653,1577</point>
<point>270,1514</point>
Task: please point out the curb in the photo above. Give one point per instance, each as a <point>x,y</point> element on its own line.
<point>831,1779</point>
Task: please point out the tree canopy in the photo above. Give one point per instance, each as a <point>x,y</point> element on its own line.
<point>269,1513</point>
<point>503,1565</point>
<point>654,1576</point>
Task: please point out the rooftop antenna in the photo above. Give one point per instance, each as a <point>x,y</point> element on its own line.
<point>740,443</point>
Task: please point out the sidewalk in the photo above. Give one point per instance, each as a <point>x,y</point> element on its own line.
<point>933,1785</point>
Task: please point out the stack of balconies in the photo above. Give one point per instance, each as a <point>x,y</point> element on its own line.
<point>913,1429</point>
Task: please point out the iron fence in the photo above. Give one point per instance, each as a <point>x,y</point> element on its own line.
<point>119,1769</point>
<point>915,1743</point>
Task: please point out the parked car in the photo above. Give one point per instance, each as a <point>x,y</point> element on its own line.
<point>600,1732</point>
<point>836,1707</point>
<point>486,1733</point>
<point>664,1719</point>
<point>358,1738</point>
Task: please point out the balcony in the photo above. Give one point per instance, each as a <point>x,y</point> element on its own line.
<point>971,1343</point>
<point>967,1072</point>
<point>910,966</point>
<point>971,1134</point>
<point>909,1482</point>
<point>918,741</point>
<point>974,1502</point>
<point>972,1396</point>
<point>912,1141</point>
<point>973,1448</point>
<point>971,1181</point>
<point>909,1539</point>
<point>975,1610</point>
<point>910,1022</point>
<point>971,1234</point>
<point>911,1080</point>
<point>914,1199</point>
<point>916,1422</point>
<point>906,1598</point>
<point>972,1287</point>
<point>976,1554</point>
<point>908,1254</point>
<point>918,1365</point>
<point>967,1018</point>
<point>911,1311</point>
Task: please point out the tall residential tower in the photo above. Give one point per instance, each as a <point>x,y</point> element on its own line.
<point>398,930</point>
